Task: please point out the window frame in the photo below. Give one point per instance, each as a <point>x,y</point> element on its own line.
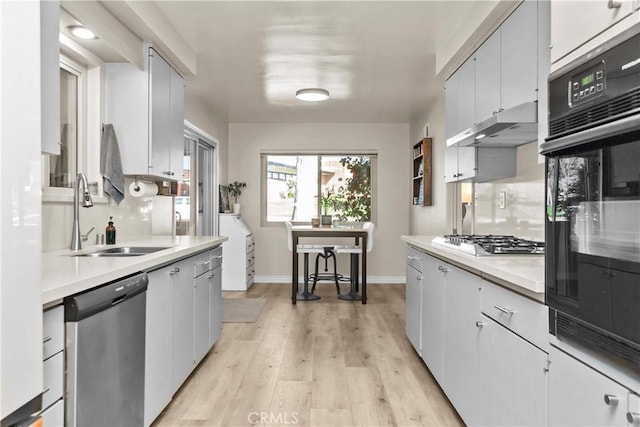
<point>373,156</point>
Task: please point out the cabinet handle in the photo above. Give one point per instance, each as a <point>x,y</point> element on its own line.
<point>166,172</point>
<point>504,309</point>
<point>480,324</point>
<point>442,268</point>
<point>211,276</point>
<point>219,257</point>
<point>410,257</point>
<point>459,175</point>
<point>633,417</point>
<point>418,277</point>
<point>611,399</point>
<point>174,271</point>
<point>206,263</point>
<point>46,340</point>
<point>611,4</point>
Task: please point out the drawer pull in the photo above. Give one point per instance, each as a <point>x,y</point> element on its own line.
<point>442,268</point>
<point>410,257</point>
<point>480,324</point>
<point>611,399</point>
<point>611,4</point>
<point>418,277</point>
<point>174,271</point>
<point>46,340</point>
<point>206,263</point>
<point>219,257</point>
<point>211,276</point>
<point>504,309</point>
<point>633,417</point>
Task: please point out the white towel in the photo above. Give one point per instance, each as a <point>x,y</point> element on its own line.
<point>111,165</point>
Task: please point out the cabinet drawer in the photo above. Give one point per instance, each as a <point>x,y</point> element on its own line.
<point>54,415</point>
<point>251,260</point>
<point>525,317</point>
<point>53,331</point>
<point>201,263</point>
<point>53,379</point>
<point>249,276</point>
<point>216,257</point>
<point>415,259</point>
<point>250,243</point>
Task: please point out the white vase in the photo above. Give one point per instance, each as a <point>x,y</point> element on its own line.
<point>236,208</point>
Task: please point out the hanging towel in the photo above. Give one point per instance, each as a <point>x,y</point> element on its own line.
<point>111,165</point>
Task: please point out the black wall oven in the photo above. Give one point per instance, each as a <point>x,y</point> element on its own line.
<point>593,199</point>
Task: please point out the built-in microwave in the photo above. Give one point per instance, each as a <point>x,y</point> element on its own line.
<point>592,216</point>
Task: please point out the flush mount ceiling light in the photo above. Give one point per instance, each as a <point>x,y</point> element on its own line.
<point>81,32</point>
<point>480,136</point>
<point>312,94</point>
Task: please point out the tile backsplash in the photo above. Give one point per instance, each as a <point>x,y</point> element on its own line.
<point>523,195</point>
<point>132,219</point>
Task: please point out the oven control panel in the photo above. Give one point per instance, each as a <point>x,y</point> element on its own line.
<point>587,85</point>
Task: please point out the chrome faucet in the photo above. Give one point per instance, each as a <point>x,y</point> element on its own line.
<point>87,202</point>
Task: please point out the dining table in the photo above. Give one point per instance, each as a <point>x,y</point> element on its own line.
<point>324,231</point>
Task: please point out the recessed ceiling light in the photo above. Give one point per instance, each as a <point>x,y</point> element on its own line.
<point>312,94</point>
<point>81,32</point>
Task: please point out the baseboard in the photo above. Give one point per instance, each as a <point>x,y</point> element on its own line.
<point>286,280</point>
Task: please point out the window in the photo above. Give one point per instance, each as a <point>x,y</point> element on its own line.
<point>299,187</point>
<point>60,170</point>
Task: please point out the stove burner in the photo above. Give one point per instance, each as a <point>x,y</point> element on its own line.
<point>496,244</point>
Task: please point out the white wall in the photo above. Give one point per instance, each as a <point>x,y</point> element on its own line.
<point>523,215</point>
<point>386,262</point>
<point>435,219</point>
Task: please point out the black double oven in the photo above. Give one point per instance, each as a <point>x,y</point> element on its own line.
<point>593,200</point>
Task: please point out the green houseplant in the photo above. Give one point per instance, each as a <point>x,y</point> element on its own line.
<point>327,201</point>
<point>235,189</point>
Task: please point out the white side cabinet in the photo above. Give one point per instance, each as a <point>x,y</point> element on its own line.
<point>479,164</point>
<point>53,355</point>
<point>146,109</point>
<point>433,316</point>
<point>580,395</point>
<point>50,75</point>
<point>239,253</point>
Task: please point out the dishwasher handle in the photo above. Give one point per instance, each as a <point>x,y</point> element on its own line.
<point>86,304</point>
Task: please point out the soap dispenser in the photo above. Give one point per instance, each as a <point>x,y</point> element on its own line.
<point>111,232</point>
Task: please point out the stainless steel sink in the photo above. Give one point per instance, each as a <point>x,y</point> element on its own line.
<point>124,251</point>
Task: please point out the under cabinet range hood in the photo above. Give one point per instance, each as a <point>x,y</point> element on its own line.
<point>507,128</point>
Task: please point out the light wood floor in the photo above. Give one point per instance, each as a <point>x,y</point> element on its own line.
<point>320,363</point>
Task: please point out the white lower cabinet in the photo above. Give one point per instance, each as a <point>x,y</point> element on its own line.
<point>462,311</point>
<point>433,317</point>
<point>510,365</point>
<point>179,327</point>
<point>53,367</point>
<point>158,382</point>
<point>580,395</point>
<point>476,339</point>
<point>53,416</point>
<point>413,298</point>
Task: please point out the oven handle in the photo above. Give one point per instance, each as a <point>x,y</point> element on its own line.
<point>617,127</point>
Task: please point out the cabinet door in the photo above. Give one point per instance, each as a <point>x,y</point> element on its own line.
<point>176,150</point>
<point>577,394</point>
<point>466,95</point>
<point>201,320</point>
<point>519,56</point>
<point>160,115</point>
<point>512,379</point>
<point>575,22</point>
<point>158,381</point>
<point>50,76</point>
<point>461,312</point>
<point>182,282</point>
<point>451,164</point>
<point>215,305</point>
<point>433,317</point>
<point>467,163</point>
<point>413,299</point>
<point>451,105</point>
<point>487,85</point>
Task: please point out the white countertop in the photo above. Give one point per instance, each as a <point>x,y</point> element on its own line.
<point>521,273</point>
<point>64,275</point>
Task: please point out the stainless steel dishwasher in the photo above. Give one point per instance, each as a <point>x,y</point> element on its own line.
<point>105,329</point>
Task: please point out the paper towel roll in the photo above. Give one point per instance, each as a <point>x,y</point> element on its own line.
<point>143,189</point>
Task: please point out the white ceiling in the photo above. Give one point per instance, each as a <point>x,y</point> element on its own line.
<point>377,59</point>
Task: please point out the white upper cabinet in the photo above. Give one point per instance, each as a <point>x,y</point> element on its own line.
<point>519,56</point>
<point>460,100</point>
<point>146,109</point>
<point>574,23</point>
<point>50,76</point>
<point>488,78</point>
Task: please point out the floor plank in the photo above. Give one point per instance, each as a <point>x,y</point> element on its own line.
<point>320,363</point>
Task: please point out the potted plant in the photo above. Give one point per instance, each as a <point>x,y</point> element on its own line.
<point>235,189</point>
<point>327,201</point>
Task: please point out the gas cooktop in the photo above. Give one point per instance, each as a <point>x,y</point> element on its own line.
<point>479,245</point>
